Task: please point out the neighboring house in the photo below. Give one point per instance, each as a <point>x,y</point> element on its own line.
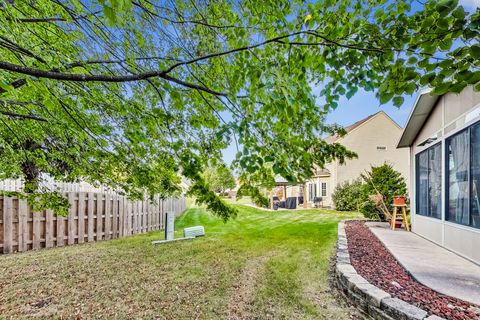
<point>374,139</point>
<point>443,135</point>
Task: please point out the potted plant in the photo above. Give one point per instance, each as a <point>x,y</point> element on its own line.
<point>399,200</point>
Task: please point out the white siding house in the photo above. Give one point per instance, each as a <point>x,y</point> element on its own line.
<point>374,139</point>
<point>443,135</point>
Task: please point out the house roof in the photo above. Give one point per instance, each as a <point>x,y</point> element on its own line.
<point>281,181</point>
<point>322,173</point>
<point>350,128</point>
<point>422,108</point>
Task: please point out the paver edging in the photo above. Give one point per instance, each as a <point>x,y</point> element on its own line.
<point>370,299</point>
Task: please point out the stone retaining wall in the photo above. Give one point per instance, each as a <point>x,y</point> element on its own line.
<point>370,299</point>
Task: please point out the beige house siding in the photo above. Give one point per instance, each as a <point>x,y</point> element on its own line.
<point>378,131</point>
<point>448,115</point>
<point>452,113</point>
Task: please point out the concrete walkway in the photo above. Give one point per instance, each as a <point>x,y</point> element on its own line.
<point>430,264</point>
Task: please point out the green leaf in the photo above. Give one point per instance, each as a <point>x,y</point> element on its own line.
<point>442,24</point>
<point>459,13</point>
<point>428,78</point>
<point>351,92</point>
<point>445,6</point>
<point>175,95</point>
<point>6,87</point>
<point>398,101</point>
<point>109,15</point>
<point>477,87</point>
<point>441,89</point>
<point>445,44</point>
<point>385,97</point>
<point>475,51</point>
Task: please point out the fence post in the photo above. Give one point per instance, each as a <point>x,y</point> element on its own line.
<point>142,215</point>
<point>108,222</point>
<point>49,228</point>
<point>115,217</point>
<point>36,230</point>
<point>71,218</point>
<point>7,224</point>
<point>81,217</point>
<point>99,216</point>
<point>139,216</point>
<point>22,224</point>
<point>129,214</point>
<point>90,216</point>
<point>162,213</point>
<point>61,230</point>
<point>150,214</point>
<point>121,217</point>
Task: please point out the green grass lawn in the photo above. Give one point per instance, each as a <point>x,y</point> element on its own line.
<point>262,265</point>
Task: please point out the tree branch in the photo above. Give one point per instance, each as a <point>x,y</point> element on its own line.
<point>55,19</point>
<point>101,78</point>
<point>118,61</point>
<point>22,116</point>
<point>18,48</point>
<point>164,73</point>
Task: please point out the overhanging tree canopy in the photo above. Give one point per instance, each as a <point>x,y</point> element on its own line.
<point>133,93</point>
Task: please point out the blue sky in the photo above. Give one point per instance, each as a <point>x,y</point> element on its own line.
<point>364,103</point>
<point>358,107</point>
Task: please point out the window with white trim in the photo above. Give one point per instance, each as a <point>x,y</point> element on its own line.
<point>463,177</point>
<point>429,182</point>
<point>312,191</point>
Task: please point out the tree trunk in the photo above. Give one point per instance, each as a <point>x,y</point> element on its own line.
<point>30,170</point>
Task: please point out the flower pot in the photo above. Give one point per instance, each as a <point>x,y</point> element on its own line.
<point>399,200</point>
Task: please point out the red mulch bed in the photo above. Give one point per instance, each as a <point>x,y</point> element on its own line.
<point>375,263</point>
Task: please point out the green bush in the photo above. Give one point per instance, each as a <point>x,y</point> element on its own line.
<point>348,196</point>
<point>355,196</point>
<point>369,210</point>
<point>386,181</point>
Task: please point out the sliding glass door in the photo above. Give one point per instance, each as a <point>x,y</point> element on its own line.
<point>429,182</point>
<point>475,176</point>
<point>458,178</point>
<point>463,177</point>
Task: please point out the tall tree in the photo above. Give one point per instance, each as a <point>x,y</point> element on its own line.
<point>219,178</point>
<point>133,94</point>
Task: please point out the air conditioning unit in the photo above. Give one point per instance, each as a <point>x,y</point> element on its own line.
<point>193,232</point>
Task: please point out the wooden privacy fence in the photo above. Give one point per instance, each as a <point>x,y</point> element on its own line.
<point>92,217</point>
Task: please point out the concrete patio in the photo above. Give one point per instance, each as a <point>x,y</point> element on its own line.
<point>430,264</point>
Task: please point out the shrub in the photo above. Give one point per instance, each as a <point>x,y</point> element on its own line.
<point>348,196</point>
<point>387,182</point>
<point>369,209</point>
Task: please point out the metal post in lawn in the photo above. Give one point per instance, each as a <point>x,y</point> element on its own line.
<point>169,224</point>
